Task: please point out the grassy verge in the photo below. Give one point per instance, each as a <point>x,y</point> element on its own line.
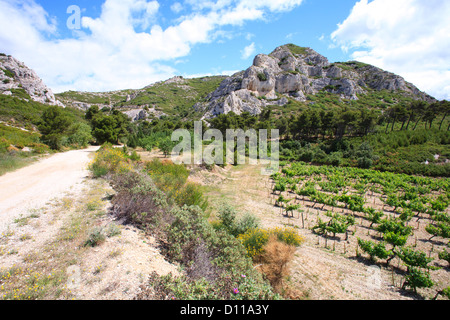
<point>42,273</point>
<point>11,162</point>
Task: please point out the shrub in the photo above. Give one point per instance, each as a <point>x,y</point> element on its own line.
<point>95,238</point>
<point>134,156</point>
<point>275,260</point>
<point>138,201</point>
<point>255,240</point>
<point>229,222</point>
<point>172,179</point>
<point>416,278</point>
<point>444,255</point>
<point>210,254</point>
<point>262,76</point>
<point>109,160</point>
<point>191,195</point>
<point>374,250</point>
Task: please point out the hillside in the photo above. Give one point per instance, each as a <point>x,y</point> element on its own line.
<point>289,79</point>
<point>299,76</point>
<point>16,79</point>
<point>173,97</point>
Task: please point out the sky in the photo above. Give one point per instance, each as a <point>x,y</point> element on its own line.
<point>105,45</point>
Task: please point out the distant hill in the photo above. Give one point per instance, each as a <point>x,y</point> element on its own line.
<point>173,97</point>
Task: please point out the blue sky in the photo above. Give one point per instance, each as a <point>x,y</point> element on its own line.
<point>121,44</point>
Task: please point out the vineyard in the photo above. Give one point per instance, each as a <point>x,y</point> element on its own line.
<point>398,222</point>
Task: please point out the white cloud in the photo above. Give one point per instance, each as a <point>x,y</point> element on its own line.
<point>124,47</point>
<point>407,37</point>
<point>176,7</point>
<point>248,51</point>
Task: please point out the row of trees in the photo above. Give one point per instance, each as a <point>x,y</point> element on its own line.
<point>409,116</point>
<point>337,123</point>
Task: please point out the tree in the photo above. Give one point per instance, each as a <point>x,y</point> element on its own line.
<point>367,121</point>
<point>91,112</point>
<point>419,108</point>
<point>79,134</point>
<point>54,123</point>
<point>105,129</point>
<point>109,128</point>
<point>166,146</point>
<point>365,155</point>
<point>431,114</point>
<point>444,110</point>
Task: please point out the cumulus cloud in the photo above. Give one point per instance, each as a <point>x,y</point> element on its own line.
<point>248,51</point>
<point>407,37</point>
<point>124,47</point>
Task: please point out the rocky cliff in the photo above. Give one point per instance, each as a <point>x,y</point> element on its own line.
<point>15,77</point>
<point>292,72</point>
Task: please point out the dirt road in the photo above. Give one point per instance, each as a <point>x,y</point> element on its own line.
<point>33,186</point>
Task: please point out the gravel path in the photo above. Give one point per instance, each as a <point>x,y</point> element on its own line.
<point>33,186</point>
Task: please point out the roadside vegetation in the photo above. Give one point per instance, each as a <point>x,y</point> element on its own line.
<point>217,258</point>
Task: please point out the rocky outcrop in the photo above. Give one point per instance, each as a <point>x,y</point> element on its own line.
<point>14,75</point>
<point>136,114</point>
<point>296,72</point>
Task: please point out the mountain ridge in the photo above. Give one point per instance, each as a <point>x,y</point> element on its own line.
<point>292,72</point>
<point>289,74</point>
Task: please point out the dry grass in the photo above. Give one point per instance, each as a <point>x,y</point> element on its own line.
<point>40,272</point>
<point>274,263</point>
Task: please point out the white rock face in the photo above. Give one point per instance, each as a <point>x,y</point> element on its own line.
<point>283,74</point>
<point>15,75</point>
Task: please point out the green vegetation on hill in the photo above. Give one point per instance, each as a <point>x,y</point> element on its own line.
<point>176,99</point>
<point>173,98</point>
<point>296,49</point>
<point>102,98</point>
<point>406,138</point>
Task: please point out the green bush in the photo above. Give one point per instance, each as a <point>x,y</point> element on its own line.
<point>229,222</point>
<point>79,134</point>
<point>54,123</point>
<point>96,237</point>
<point>262,76</point>
<point>254,240</point>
